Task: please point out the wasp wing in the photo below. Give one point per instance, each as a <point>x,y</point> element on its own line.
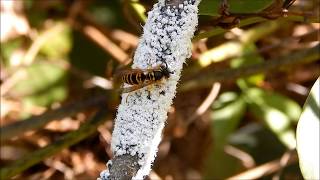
<point>117,77</point>
<point>136,87</point>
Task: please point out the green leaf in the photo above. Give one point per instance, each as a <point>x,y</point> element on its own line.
<point>250,57</point>
<point>226,118</point>
<point>276,111</point>
<point>139,9</point>
<point>7,50</point>
<point>285,105</point>
<point>226,115</point>
<point>58,44</point>
<point>211,7</point>
<point>224,99</point>
<point>308,135</point>
<point>42,85</point>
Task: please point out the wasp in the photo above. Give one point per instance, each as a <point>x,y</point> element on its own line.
<point>139,78</point>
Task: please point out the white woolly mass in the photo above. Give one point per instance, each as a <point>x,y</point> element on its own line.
<point>141,116</point>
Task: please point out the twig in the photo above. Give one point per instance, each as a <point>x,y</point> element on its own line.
<point>87,129</point>
<point>58,165</point>
<point>223,53</point>
<point>245,22</point>
<point>236,47</point>
<point>280,44</point>
<point>115,34</point>
<point>37,122</point>
<point>284,161</point>
<point>264,169</point>
<point>126,37</point>
<point>205,104</point>
<point>11,81</point>
<point>218,30</point>
<point>104,42</point>
<point>204,79</point>
<point>95,34</point>
<point>40,40</point>
<point>245,158</point>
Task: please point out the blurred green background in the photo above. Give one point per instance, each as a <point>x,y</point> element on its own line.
<point>237,105</point>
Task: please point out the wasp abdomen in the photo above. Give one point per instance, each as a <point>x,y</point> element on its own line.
<point>138,78</point>
<point>134,78</point>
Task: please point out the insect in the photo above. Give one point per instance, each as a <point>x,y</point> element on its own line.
<point>139,78</point>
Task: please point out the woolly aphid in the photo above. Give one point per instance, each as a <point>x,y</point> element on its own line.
<point>141,116</point>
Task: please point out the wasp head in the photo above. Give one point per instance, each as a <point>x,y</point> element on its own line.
<point>165,71</point>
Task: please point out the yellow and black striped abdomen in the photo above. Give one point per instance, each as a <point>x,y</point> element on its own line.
<point>150,76</point>
<point>139,78</point>
<point>133,78</point>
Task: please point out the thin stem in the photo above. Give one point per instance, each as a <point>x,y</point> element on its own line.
<point>264,169</point>
<point>87,129</point>
<point>205,79</point>
<point>205,104</point>
<point>36,122</point>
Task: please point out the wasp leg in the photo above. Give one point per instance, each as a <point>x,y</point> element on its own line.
<point>127,97</point>
<point>136,87</point>
<point>130,90</point>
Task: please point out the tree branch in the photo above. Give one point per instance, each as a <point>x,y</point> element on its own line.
<point>142,114</point>
<point>37,122</point>
<point>88,128</point>
<point>207,78</point>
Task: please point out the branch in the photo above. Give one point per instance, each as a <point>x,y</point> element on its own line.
<point>205,104</point>
<point>142,114</point>
<point>93,33</point>
<point>218,30</point>
<point>205,79</point>
<point>105,43</point>
<point>249,21</point>
<point>40,41</point>
<point>267,168</point>
<point>234,48</point>
<point>37,122</point>
<point>87,129</point>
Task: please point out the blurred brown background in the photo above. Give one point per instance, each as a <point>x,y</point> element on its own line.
<point>236,108</point>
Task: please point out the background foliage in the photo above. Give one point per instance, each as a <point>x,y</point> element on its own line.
<point>236,110</point>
